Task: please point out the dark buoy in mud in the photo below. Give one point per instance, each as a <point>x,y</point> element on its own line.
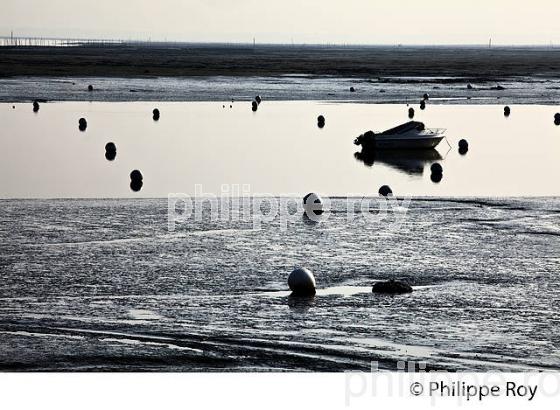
<point>313,204</point>
<point>411,113</point>
<point>35,106</point>
<point>463,147</point>
<point>320,121</point>
<point>426,97</point>
<point>557,118</point>
<point>352,89</point>
<point>385,191</point>
<point>392,287</point>
<point>90,87</point>
<point>258,99</point>
<point>82,124</point>
<point>507,111</point>
<point>155,114</point>
<point>422,104</point>
<point>302,282</point>
<point>136,180</point>
<point>254,106</point>
<point>110,151</point>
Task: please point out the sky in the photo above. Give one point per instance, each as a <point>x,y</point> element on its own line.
<point>299,21</point>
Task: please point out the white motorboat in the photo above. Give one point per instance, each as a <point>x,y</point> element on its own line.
<point>411,135</point>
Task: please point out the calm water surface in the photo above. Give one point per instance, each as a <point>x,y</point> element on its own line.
<point>279,150</point>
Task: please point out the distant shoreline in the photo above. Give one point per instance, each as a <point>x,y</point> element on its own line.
<point>191,60</point>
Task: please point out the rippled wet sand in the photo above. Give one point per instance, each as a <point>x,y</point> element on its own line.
<point>103,285</point>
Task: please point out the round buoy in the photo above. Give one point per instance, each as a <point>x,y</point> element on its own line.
<point>35,106</point>
<point>463,147</point>
<point>411,113</point>
<point>313,204</point>
<point>320,121</point>
<point>136,180</point>
<point>90,87</point>
<point>352,89</point>
<point>422,105</point>
<point>156,114</point>
<point>110,151</point>
<point>385,191</point>
<point>254,106</point>
<point>426,96</point>
<point>436,168</point>
<point>557,118</point>
<point>82,124</point>
<point>136,175</point>
<point>507,111</point>
<point>258,99</point>
<point>302,282</point>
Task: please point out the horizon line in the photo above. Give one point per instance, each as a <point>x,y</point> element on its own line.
<point>254,43</point>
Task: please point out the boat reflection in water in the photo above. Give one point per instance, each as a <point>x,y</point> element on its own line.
<point>411,162</point>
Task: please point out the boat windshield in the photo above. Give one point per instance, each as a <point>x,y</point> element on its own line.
<point>409,126</point>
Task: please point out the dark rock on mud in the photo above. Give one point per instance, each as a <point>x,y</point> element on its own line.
<point>392,287</point>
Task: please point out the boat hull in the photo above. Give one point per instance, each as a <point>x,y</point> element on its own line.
<point>405,143</point>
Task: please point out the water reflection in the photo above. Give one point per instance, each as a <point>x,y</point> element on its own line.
<point>411,162</point>
<point>280,151</point>
<point>316,220</point>
<point>301,304</point>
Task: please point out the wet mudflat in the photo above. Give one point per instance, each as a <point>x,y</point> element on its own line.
<point>103,285</point>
